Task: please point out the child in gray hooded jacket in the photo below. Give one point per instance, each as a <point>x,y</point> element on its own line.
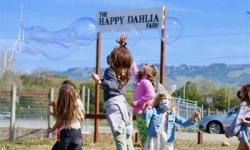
<point>117,110</point>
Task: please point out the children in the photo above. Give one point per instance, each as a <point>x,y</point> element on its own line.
<point>69,114</point>
<point>240,127</point>
<point>57,125</point>
<point>143,94</point>
<point>117,109</point>
<point>156,117</point>
<point>163,117</point>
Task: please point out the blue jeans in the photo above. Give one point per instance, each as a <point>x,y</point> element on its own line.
<point>71,139</point>
<point>56,146</point>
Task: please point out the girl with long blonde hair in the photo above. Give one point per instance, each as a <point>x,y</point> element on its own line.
<point>69,114</point>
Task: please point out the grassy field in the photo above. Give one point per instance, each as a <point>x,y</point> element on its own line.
<point>106,143</point>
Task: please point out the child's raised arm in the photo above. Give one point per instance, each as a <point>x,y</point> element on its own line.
<point>134,70</point>
<point>96,78</point>
<point>187,122</point>
<point>109,79</point>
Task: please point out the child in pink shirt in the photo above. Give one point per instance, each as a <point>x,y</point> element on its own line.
<point>144,94</point>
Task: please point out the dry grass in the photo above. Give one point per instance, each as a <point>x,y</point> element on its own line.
<point>106,143</point>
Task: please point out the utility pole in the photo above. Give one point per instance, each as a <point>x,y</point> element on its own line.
<point>229,98</point>
<point>184,91</point>
<point>4,62</point>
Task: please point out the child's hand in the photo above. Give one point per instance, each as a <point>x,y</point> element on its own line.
<point>123,38</point>
<point>53,104</point>
<point>50,130</point>
<point>52,114</point>
<point>134,103</point>
<point>243,120</point>
<point>145,107</point>
<point>195,116</point>
<point>96,78</point>
<point>150,103</point>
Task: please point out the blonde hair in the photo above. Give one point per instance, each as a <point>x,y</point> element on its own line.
<point>120,61</point>
<point>67,110</point>
<point>150,71</point>
<point>164,95</point>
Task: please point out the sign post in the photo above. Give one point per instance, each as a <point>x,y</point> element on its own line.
<point>163,48</point>
<point>209,101</point>
<point>97,89</point>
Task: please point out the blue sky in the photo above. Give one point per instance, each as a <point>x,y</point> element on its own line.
<point>212,32</point>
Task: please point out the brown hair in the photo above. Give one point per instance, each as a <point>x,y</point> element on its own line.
<point>120,61</point>
<point>69,82</point>
<point>150,71</point>
<point>245,93</point>
<point>67,109</point>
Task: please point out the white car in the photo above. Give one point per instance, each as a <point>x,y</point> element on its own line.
<point>218,123</point>
<point>5,115</point>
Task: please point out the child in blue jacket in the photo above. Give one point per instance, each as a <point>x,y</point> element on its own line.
<point>162,119</point>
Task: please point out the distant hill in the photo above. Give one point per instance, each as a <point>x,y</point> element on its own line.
<point>219,73</point>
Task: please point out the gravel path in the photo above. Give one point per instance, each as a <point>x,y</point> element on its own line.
<point>206,137</point>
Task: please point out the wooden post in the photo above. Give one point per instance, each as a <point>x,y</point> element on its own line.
<point>178,106</point>
<point>82,95</point>
<point>200,137</point>
<point>136,137</point>
<point>98,53</point>
<point>163,43</point>
<point>50,109</point>
<point>13,114</point>
<point>88,100</point>
<point>202,111</point>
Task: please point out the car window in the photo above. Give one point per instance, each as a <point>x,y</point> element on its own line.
<point>233,111</point>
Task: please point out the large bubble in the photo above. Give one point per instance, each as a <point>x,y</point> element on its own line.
<point>60,43</point>
<point>174,30</point>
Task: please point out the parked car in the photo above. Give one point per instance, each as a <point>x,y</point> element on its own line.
<point>218,123</point>
<point>5,115</point>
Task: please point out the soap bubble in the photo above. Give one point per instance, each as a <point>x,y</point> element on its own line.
<point>60,43</point>
<point>174,30</point>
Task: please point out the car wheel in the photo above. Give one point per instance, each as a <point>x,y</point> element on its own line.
<point>214,127</point>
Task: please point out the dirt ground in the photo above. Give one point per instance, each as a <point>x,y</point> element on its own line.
<point>106,143</point>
